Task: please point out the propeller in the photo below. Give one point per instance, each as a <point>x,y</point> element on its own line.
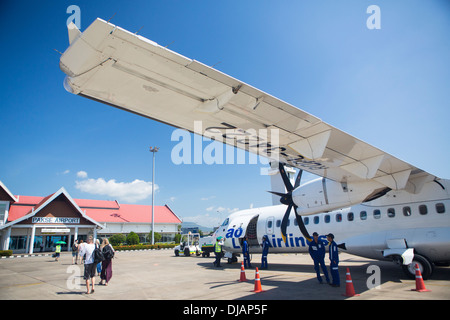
<point>286,198</point>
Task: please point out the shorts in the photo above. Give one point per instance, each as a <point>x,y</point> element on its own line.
<point>89,271</point>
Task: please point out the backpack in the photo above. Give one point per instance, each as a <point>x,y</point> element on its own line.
<point>108,253</point>
<point>98,255</point>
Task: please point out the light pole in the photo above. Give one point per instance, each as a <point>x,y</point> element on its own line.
<point>153,150</point>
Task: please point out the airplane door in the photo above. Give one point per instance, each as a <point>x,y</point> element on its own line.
<point>270,225</point>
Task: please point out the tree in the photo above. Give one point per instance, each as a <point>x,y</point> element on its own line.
<point>117,239</point>
<point>132,238</point>
<point>157,238</point>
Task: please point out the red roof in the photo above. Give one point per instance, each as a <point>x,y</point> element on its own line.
<point>100,210</point>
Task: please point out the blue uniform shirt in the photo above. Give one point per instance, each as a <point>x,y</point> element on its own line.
<point>317,250</point>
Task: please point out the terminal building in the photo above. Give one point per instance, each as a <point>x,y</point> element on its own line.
<point>30,224</point>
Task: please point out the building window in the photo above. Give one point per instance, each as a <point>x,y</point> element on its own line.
<point>339,217</point>
<point>377,214</point>
<point>423,210</point>
<point>391,212</point>
<point>406,211</point>
<point>440,208</point>
<point>18,242</point>
<point>350,216</point>
<point>3,207</point>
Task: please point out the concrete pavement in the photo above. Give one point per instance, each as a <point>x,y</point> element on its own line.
<point>159,275</point>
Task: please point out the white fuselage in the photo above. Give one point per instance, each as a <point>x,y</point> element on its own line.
<point>421,220</point>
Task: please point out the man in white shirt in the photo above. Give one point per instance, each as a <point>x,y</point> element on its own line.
<point>89,265</point>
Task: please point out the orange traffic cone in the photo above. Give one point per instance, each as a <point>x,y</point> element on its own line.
<point>257,282</point>
<point>242,278</point>
<point>349,290</point>
<point>420,285</point>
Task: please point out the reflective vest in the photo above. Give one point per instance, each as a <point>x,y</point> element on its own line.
<point>58,249</point>
<point>217,247</point>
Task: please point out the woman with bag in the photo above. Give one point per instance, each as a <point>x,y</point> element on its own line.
<point>108,253</point>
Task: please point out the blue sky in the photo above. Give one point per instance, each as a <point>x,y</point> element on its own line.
<point>389,87</point>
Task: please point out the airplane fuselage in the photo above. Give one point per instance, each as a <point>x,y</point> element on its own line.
<point>398,220</point>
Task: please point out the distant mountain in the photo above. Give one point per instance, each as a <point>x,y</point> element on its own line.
<point>187,224</point>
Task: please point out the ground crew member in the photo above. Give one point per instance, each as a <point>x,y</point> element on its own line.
<point>265,251</point>
<point>317,253</point>
<point>334,261</point>
<point>246,253</point>
<point>218,251</point>
<point>57,252</point>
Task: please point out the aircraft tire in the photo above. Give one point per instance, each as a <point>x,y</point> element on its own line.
<point>177,253</point>
<point>426,267</point>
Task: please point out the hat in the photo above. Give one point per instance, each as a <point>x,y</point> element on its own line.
<point>219,238</point>
<point>330,235</point>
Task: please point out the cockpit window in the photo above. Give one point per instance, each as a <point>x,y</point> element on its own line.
<point>225,223</point>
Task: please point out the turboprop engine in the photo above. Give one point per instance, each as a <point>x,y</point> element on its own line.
<point>323,195</point>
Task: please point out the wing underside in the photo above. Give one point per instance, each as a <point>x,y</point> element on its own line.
<point>111,65</point>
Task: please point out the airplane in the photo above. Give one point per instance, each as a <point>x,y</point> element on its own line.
<point>375,204</point>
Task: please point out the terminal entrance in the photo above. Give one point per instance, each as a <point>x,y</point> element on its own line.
<point>47,243</point>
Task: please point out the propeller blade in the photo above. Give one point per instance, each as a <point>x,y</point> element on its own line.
<point>301,225</point>
<point>298,179</point>
<point>286,181</point>
<point>284,223</point>
<point>276,193</point>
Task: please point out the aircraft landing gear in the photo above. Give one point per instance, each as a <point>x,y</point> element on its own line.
<point>426,267</point>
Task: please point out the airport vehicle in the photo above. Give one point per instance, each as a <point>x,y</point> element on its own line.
<point>377,205</point>
<point>189,245</point>
<point>207,245</point>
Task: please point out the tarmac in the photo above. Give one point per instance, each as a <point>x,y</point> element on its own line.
<point>160,275</point>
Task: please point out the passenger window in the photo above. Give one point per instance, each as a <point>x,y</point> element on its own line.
<point>269,224</point>
<point>288,223</point>
<point>350,216</point>
<point>316,220</point>
<point>305,220</point>
<point>423,209</point>
<point>296,222</point>
<point>406,211</point>
<point>327,218</point>
<point>339,217</point>
<point>440,208</point>
<point>377,214</point>
<point>278,223</point>
<point>363,215</point>
<point>391,212</point>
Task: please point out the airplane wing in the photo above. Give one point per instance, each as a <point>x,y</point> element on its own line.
<point>111,65</point>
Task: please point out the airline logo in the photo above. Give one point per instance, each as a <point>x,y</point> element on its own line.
<point>274,241</point>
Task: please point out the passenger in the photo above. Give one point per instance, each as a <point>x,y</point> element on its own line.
<point>108,253</point>
<point>246,253</point>
<point>334,261</point>
<point>317,253</point>
<point>218,251</point>
<point>75,252</point>
<point>89,265</point>
<point>265,251</point>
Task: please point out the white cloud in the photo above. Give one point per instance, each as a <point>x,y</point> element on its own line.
<point>82,174</point>
<point>125,191</point>
<point>207,198</point>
